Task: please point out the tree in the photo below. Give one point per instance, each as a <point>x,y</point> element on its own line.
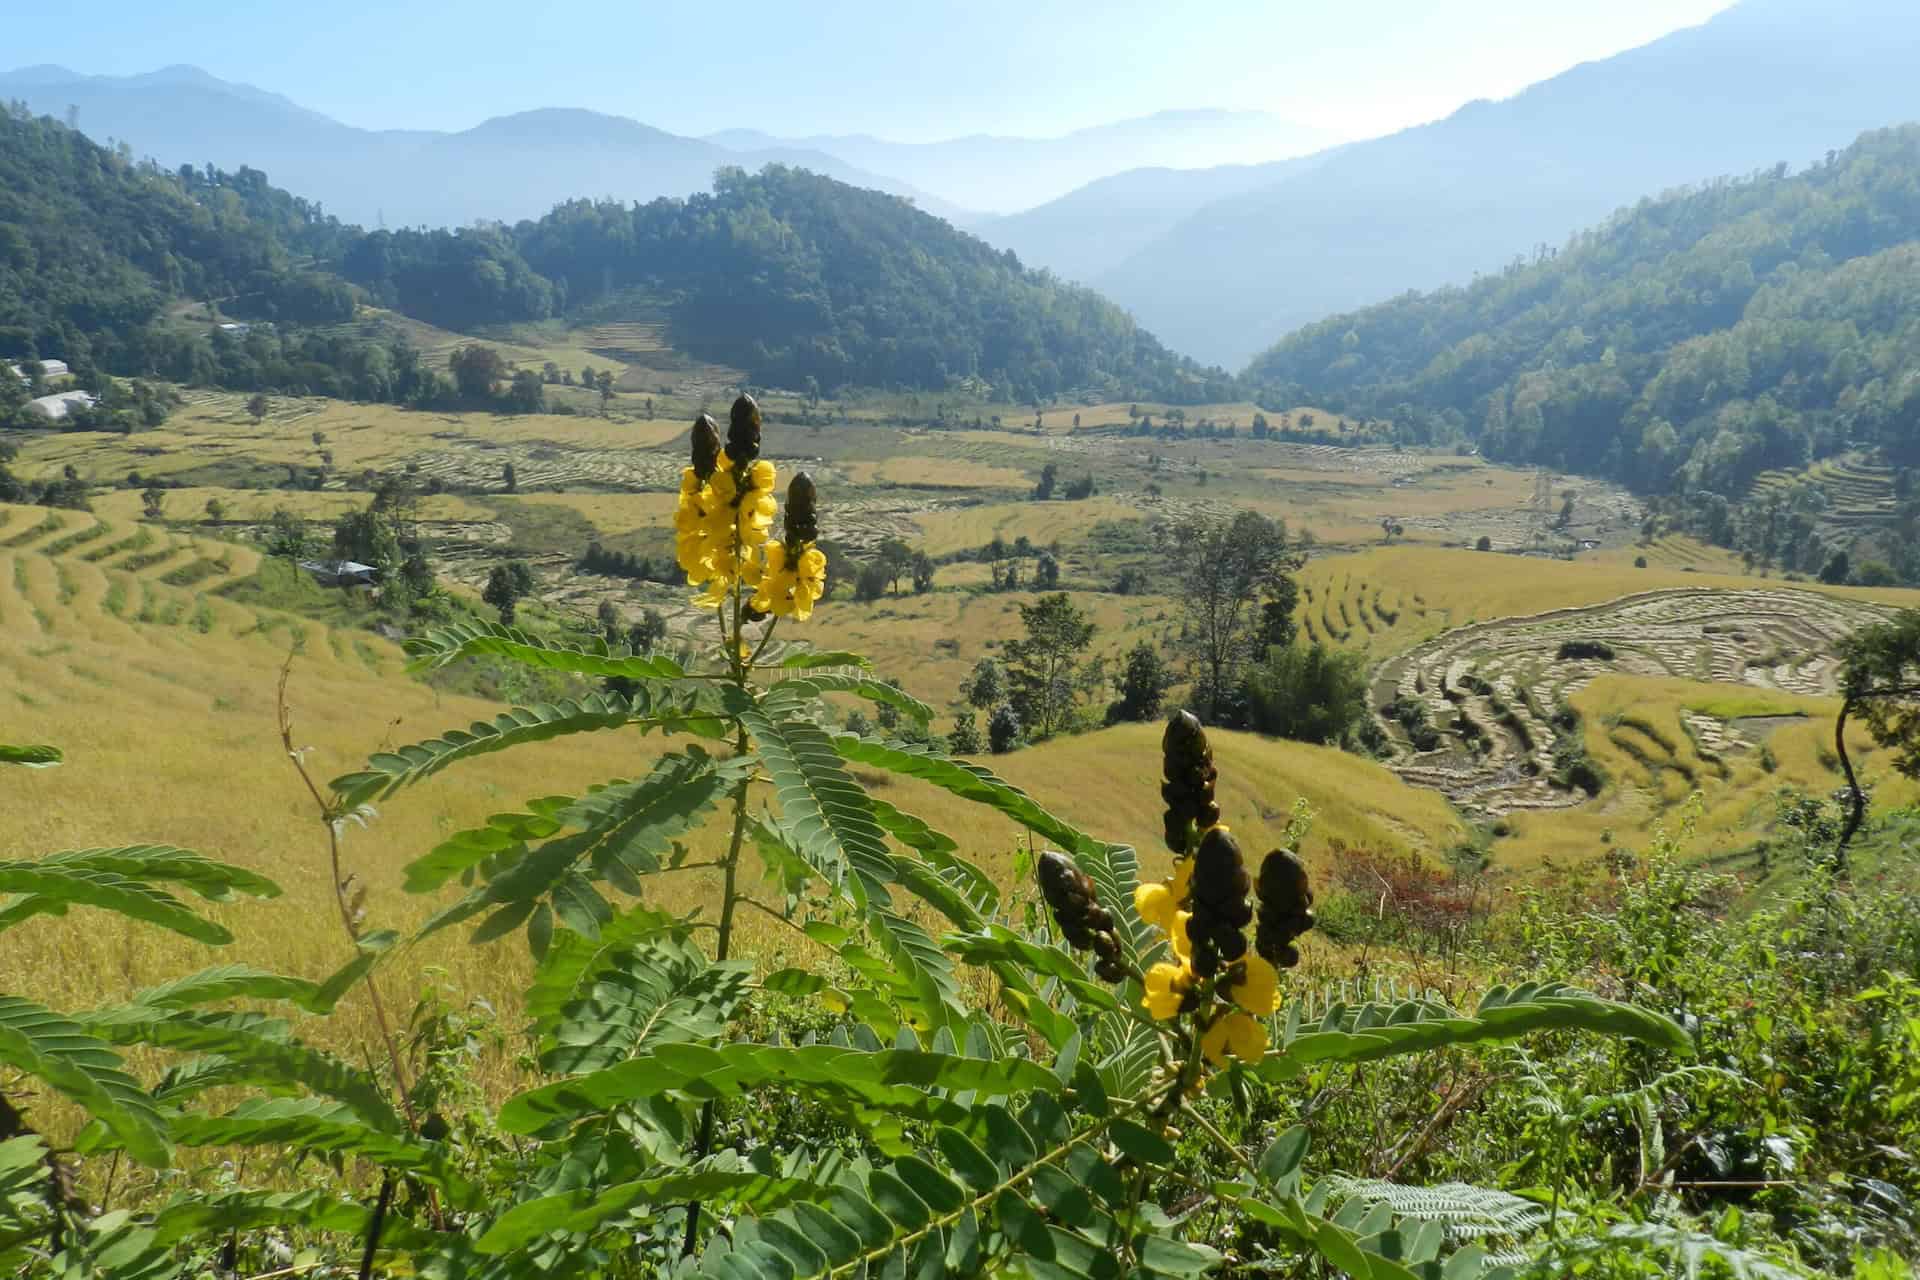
<point>1079,489</point>
<point>1225,569</point>
<point>1046,572</point>
<point>153,502</point>
<point>527,394</point>
<point>287,534</point>
<point>477,370</point>
<point>1003,729</point>
<point>1277,627</point>
<point>922,573</point>
<point>1485,543</point>
<point>985,686</point>
<point>257,407</point>
<point>1045,674</point>
<point>608,617</point>
<point>508,479</point>
<point>507,585</point>
<point>647,634</point>
<point>1049,476</point>
<point>1309,693</point>
<point>1142,685</point>
<point>871,583</point>
<point>368,537</point>
<point>1880,683</point>
<point>896,558</point>
<point>606,390</point>
<point>216,511</point>
<point>965,738</point>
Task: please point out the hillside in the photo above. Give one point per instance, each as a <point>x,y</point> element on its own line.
<point>790,275</point>
<point>1691,343</point>
<point>784,275</point>
<point>93,248</point>
<point>1767,81</point>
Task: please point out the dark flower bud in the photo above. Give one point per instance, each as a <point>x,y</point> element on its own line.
<point>756,615</point>
<point>1187,780</point>
<point>1183,743</point>
<point>803,519</point>
<point>706,446</point>
<point>1221,909</point>
<point>1109,970</point>
<point>1286,902</point>
<point>743,431</point>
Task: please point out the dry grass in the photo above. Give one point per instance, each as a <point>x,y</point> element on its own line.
<point>216,433</point>
<point>944,532</point>
<point>611,513</point>
<point>936,473</point>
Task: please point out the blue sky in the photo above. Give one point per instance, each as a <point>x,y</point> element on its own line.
<point>905,69</point>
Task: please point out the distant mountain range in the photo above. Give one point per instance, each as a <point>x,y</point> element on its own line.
<point>520,166</point>
<point>505,169</point>
<point>1232,260</point>
<point>1001,175</point>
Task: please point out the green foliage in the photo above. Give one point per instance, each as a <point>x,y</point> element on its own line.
<point>854,287</point>
<point>1689,343</point>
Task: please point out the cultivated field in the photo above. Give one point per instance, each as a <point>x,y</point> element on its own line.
<point>120,634</point>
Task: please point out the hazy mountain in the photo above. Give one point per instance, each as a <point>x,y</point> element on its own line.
<point>1767,81</point>
<point>508,168</point>
<point>1087,232</point>
<point>1002,174</point>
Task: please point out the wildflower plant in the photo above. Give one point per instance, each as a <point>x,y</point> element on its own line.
<point>974,1092</point>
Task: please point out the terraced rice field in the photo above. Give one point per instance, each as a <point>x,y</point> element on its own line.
<point>1859,486</point>
<point>1492,688</point>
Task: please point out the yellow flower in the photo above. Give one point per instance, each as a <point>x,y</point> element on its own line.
<point>1177,937</point>
<point>1236,1035</point>
<point>1156,905</point>
<point>1159,905</point>
<point>1260,991</point>
<point>754,515</point>
<point>789,585</point>
<point>1167,987</point>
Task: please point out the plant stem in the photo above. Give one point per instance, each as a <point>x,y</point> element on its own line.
<point>730,866</point>
<point>329,819</point>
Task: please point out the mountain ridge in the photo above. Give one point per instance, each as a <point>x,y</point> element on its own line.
<point>1762,82</point>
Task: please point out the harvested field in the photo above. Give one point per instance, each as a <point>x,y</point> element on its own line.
<point>1492,688</point>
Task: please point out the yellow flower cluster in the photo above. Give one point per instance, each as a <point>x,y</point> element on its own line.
<point>1251,983</point>
<point>788,584</point>
<point>720,524</point>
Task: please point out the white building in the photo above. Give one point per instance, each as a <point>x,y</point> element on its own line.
<point>60,404</point>
<point>51,368</point>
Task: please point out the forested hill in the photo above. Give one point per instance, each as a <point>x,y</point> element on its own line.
<point>783,274</point>
<point>92,247</point>
<point>791,275</point>
<point>1691,342</point>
